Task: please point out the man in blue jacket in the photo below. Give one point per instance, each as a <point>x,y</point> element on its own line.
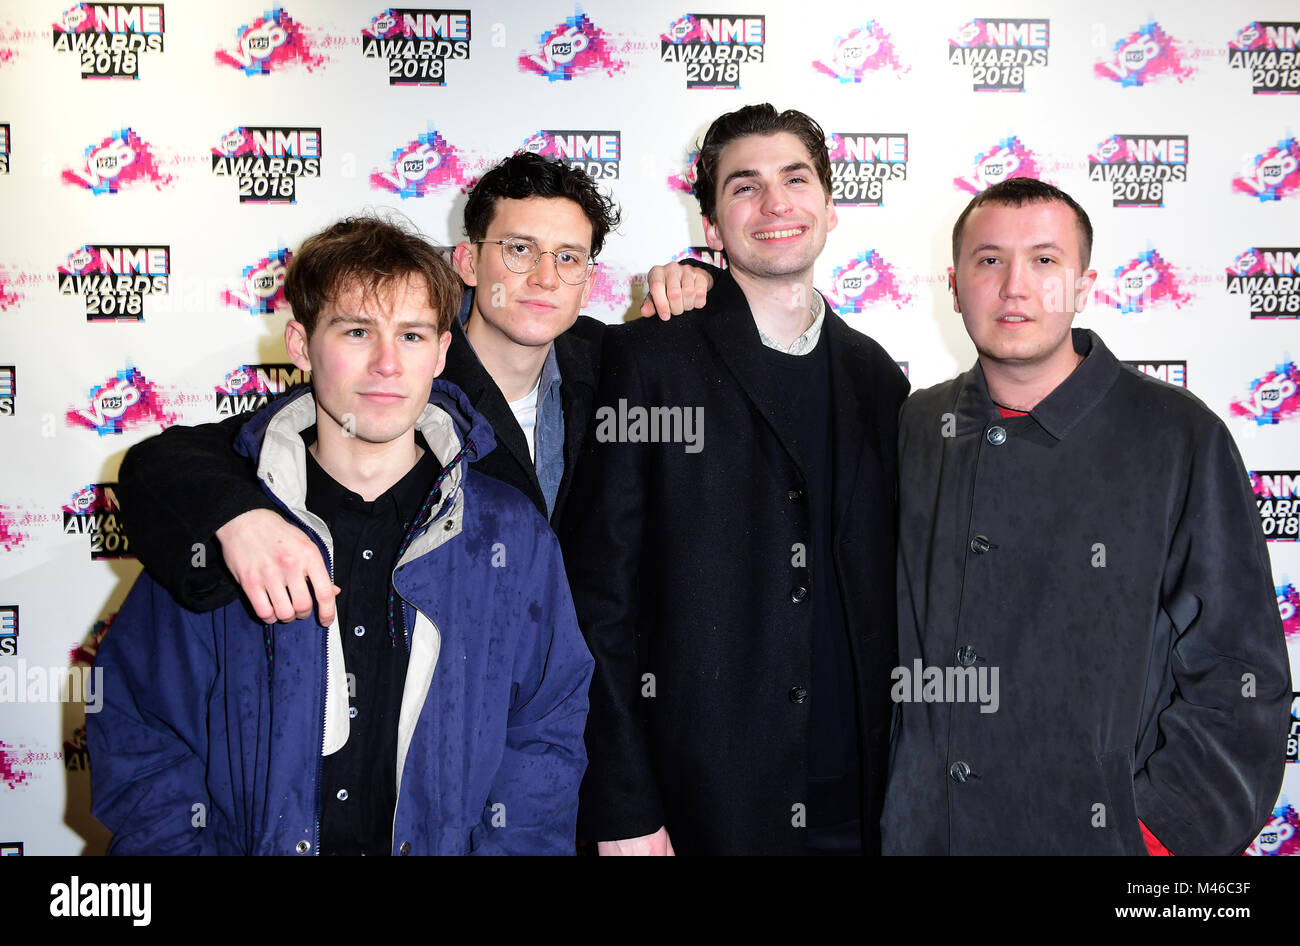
<point>442,712</point>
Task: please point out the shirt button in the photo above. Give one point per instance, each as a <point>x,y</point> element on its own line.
<point>798,694</point>
<point>996,436</point>
<point>959,771</point>
<point>367,555</point>
<point>980,544</point>
<point>405,848</point>
<point>302,847</point>
<point>797,594</point>
<point>352,712</point>
<point>359,630</point>
<point>794,495</point>
<point>966,655</point>
<point>341,794</point>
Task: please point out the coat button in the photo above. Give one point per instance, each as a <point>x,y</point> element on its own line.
<point>966,655</point>
<point>996,436</point>
<point>959,771</point>
<point>405,848</point>
<point>980,544</point>
<point>794,495</point>
<point>341,794</point>
<point>368,554</point>
<point>798,694</point>
<point>798,593</point>
<point>302,847</point>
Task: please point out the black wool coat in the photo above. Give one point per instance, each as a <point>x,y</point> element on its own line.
<point>684,575</point>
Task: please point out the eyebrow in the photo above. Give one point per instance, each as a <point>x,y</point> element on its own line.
<point>985,247</point>
<point>752,172</point>
<point>533,239</point>
<point>370,320</point>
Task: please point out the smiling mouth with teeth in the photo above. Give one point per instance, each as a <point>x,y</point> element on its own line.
<point>779,234</point>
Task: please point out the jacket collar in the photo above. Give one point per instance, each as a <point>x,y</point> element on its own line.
<point>1063,408</point>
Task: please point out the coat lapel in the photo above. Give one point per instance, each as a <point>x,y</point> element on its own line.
<point>464,370</point>
<point>853,431</point>
<point>729,326</point>
<point>576,357</point>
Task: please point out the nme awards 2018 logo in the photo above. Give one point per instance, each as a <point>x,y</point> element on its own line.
<point>120,160</point>
<point>1000,51</point>
<point>94,511</point>
<point>125,401</point>
<point>596,153</point>
<point>1137,167</point>
<point>1145,281</point>
<point>420,167</point>
<point>115,279</point>
<point>249,387</point>
<point>1270,277</point>
<point>416,44</point>
<point>705,254</point>
<point>1008,158</point>
<point>1271,53</point>
<point>864,49</point>
<point>1277,500</point>
<point>1145,56</point>
<point>572,48</point>
<point>267,162</point>
<point>1288,609</point>
<point>109,37</point>
<point>860,164</point>
<point>271,42</point>
<point>261,291</point>
<point>1272,398</point>
<point>864,281</point>
<point>1272,175</point>
<point>1170,372</point>
<point>713,47</point>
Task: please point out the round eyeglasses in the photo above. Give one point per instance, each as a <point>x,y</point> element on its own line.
<point>522,256</point>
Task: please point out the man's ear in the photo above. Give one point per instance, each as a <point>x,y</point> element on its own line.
<point>832,218</point>
<point>295,341</point>
<point>1083,289</point>
<point>952,287</point>
<point>711,235</point>
<point>444,341</point>
<point>463,258</point>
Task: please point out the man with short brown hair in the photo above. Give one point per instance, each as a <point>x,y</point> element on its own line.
<point>442,711</point>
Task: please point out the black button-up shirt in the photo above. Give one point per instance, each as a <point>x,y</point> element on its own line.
<point>359,781</point>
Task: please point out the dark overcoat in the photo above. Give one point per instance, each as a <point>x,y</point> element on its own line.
<point>693,594</point>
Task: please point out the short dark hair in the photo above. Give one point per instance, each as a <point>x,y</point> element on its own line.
<point>755,120</point>
<point>524,175</point>
<point>372,254</point>
<point>1016,192</point>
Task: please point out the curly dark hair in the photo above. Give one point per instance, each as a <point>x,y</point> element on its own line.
<point>756,120</point>
<point>524,175</point>
<point>1016,192</point>
<point>373,254</point>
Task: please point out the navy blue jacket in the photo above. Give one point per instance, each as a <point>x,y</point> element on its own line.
<point>213,726</point>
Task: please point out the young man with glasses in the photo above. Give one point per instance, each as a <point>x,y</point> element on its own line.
<point>519,350</point>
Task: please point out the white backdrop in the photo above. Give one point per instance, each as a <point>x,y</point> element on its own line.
<point>138,167</point>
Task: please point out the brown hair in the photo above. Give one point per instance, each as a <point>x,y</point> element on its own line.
<point>372,254</point>
<point>756,120</point>
<point>1016,192</point>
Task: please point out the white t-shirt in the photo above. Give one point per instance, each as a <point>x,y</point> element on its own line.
<point>525,411</point>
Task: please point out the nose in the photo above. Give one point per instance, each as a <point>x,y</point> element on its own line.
<point>1015,285</point>
<point>545,274</point>
<point>776,200</point>
<point>384,357</point>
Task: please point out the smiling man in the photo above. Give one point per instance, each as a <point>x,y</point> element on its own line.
<point>442,710</point>
<point>739,598</point>
<point>1084,537</point>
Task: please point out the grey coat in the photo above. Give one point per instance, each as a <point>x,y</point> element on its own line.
<point>1103,556</point>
